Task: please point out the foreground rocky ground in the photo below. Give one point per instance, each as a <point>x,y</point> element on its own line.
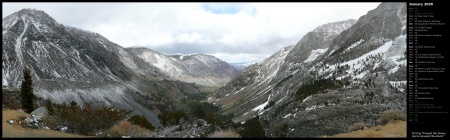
<point>15,131</point>
<point>194,129</point>
<point>396,129</point>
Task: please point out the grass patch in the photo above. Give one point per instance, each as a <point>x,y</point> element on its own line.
<point>228,133</point>
<point>392,115</point>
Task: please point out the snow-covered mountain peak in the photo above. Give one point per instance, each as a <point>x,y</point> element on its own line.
<point>185,57</point>
<point>335,27</point>
<point>33,15</point>
<point>37,18</point>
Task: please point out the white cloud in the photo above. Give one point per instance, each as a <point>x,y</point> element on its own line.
<point>242,30</point>
<point>243,58</point>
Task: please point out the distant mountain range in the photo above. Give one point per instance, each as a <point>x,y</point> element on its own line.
<point>198,68</point>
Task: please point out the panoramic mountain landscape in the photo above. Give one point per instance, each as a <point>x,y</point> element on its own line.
<point>341,76</point>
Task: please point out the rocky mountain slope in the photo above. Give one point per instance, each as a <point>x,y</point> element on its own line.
<point>69,64</point>
<point>337,75</point>
<point>197,68</point>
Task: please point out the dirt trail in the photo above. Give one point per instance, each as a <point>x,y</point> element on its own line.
<point>395,129</point>
<point>11,131</point>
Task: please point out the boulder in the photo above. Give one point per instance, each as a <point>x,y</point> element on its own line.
<point>42,112</point>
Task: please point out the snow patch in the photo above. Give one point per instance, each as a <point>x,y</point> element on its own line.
<point>127,59</point>
<point>261,106</point>
<point>307,98</point>
<point>398,85</point>
<point>382,49</point>
<point>315,53</point>
<point>341,77</point>
<point>19,42</point>
<point>393,70</point>
<point>313,107</point>
<point>287,116</point>
<point>354,45</point>
<point>56,74</point>
<point>361,75</point>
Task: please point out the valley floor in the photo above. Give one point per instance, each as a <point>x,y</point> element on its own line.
<point>15,131</point>
<point>395,129</point>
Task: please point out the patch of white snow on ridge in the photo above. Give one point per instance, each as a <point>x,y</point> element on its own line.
<point>382,49</point>
<point>307,98</point>
<point>361,75</point>
<point>127,60</point>
<point>56,74</point>
<point>398,85</point>
<point>393,70</point>
<point>401,62</point>
<point>260,107</point>
<point>340,78</point>
<point>239,90</point>
<point>354,44</point>
<point>315,53</point>
<point>287,116</point>
<point>313,107</point>
<point>165,64</point>
<point>9,21</point>
<point>181,57</point>
<point>19,42</point>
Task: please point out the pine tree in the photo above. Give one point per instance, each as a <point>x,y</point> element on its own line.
<point>26,91</point>
<point>49,106</point>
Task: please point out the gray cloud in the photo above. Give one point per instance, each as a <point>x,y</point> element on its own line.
<point>230,31</point>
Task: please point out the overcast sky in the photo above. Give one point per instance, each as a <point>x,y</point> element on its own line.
<point>234,32</point>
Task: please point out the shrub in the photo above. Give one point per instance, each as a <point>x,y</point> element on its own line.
<point>10,103</point>
<point>141,121</point>
<point>51,121</point>
<point>88,119</point>
<point>392,115</point>
<point>228,133</point>
<point>49,106</point>
<point>168,117</point>
<point>211,119</point>
<point>253,129</point>
<point>282,131</point>
<point>357,126</point>
<point>113,132</point>
<point>139,132</point>
<point>125,128</point>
